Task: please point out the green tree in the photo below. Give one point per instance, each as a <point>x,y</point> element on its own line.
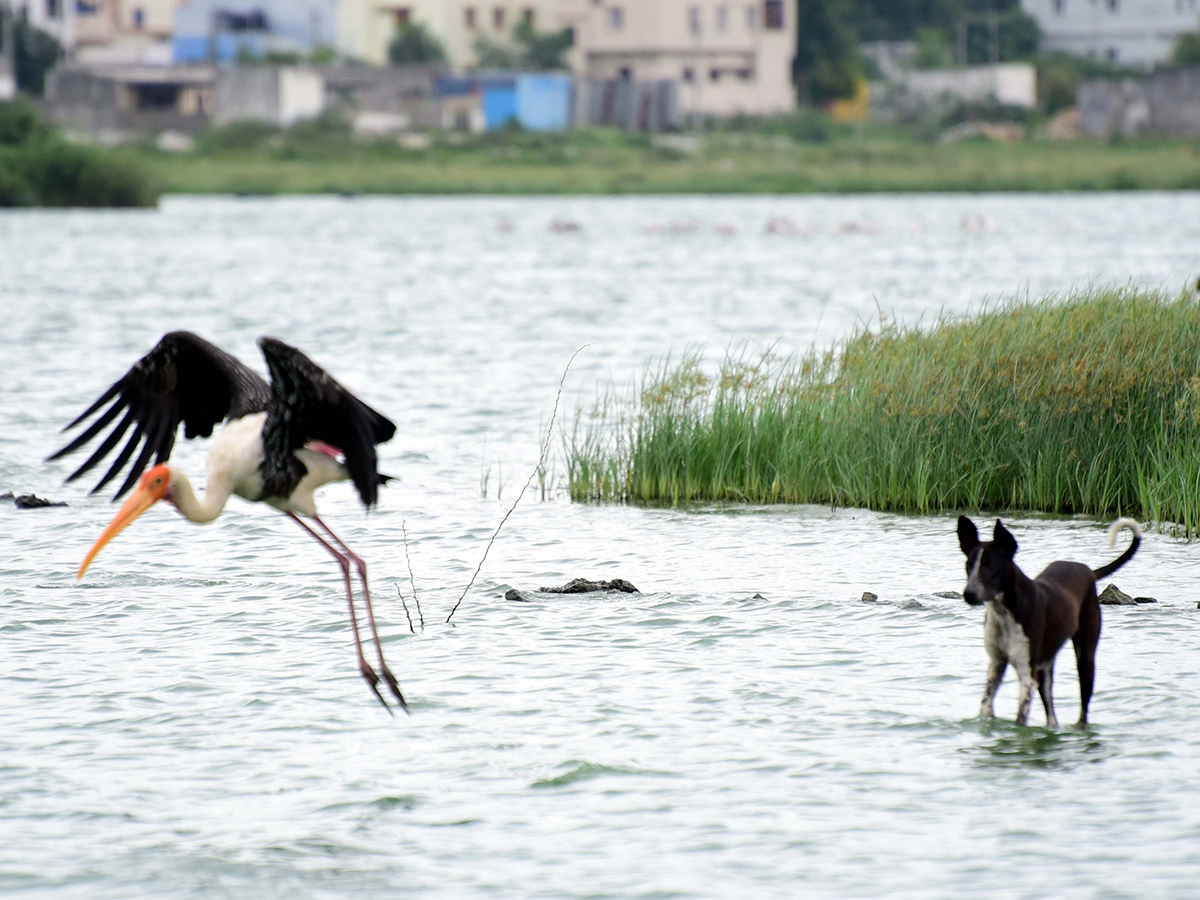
<point>827,65</point>
<point>543,51</point>
<point>539,51</point>
<point>933,49</point>
<point>34,54</point>
<point>1187,50</point>
<point>415,45</point>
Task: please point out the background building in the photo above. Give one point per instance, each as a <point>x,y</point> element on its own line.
<point>366,27</point>
<point>221,30</point>
<point>1127,32</point>
<point>124,32</point>
<point>727,56</point>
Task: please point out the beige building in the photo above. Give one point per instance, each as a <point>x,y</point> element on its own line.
<point>727,56</point>
<point>124,31</point>
<point>366,27</point>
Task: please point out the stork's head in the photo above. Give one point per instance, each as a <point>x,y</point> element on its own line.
<point>155,485</point>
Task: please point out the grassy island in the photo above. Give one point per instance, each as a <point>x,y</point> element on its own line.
<point>1089,404</point>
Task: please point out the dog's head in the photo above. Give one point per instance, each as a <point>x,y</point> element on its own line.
<point>989,563</point>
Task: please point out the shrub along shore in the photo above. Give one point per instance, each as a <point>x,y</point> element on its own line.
<point>1085,405</point>
<point>39,168</point>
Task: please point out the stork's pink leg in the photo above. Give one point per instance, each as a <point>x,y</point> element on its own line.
<point>362,573</point>
<point>363,666</point>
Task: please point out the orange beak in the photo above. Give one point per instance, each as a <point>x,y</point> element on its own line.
<point>151,489</point>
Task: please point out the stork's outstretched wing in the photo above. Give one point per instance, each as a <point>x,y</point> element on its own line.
<point>308,405</point>
<point>183,379</point>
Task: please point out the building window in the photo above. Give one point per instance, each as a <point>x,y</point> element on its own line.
<point>722,18</point>
<point>616,18</point>
<point>529,16</point>
<point>626,73</point>
<point>139,18</point>
<point>689,74</point>
<point>1060,7</point>
<point>1111,54</point>
<point>498,18</point>
<point>1114,6</point>
<point>86,8</point>
<point>752,18</point>
<point>403,16</point>
<point>54,9</point>
<point>714,74</point>
<point>773,15</point>
<point>694,19</point>
<point>470,20</point>
<point>746,74</point>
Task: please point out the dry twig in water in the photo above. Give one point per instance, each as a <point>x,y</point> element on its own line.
<point>541,462</point>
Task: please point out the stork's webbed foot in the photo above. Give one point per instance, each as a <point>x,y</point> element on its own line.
<point>372,681</point>
<point>395,687</point>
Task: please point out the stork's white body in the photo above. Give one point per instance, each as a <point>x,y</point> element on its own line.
<point>234,467</point>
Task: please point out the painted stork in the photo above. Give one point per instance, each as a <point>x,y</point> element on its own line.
<point>281,442</point>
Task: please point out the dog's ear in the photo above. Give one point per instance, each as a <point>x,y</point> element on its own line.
<point>968,535</point>
<point>1003,540</point>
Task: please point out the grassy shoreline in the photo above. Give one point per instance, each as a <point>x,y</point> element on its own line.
<point>731,164</point>
<point>1087,405</point>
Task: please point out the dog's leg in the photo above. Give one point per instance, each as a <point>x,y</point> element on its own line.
<point>1045,683</point>
<point>996,667</point>
<point>1028,685</point>
<point>1085,641</point>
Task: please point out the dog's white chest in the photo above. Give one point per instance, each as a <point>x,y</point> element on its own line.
<point>1004,638</point>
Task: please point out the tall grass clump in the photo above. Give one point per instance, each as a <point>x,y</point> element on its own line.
<point>1085,405</point>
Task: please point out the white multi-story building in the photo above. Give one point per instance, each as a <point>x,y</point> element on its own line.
<point>727,56</point>
<point>1125,32</point>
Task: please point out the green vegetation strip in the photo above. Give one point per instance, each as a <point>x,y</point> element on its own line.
<point>1086,405</point>
<point>801,155</point>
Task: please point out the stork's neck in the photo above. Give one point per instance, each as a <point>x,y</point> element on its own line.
<point>193,508</point>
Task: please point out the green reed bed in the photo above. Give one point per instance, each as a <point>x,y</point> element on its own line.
<point>1085,405</point>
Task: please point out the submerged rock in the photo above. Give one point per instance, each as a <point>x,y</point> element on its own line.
<point>1114,596</point>
<point>7,495</point>
<point>583,586</point>
<point>1144,600</point>
<point>948,595</point>
<point>512,595</point>
<point>32,501</point>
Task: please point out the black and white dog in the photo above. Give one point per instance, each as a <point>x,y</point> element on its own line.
<point>1028,620</point>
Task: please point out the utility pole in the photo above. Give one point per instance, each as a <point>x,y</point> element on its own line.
<point>993,33</point>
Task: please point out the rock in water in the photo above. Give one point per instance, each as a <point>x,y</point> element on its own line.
<point>1144,600</point>
<point>583,586</point>
<point>1114,596</point>
<point>948,595</point>
<point>868,597</point>
<point>512,595</point>
<point>32,501</point>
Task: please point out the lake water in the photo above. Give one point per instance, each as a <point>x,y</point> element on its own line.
<point>189,722</point>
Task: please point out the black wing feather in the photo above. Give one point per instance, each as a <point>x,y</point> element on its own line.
<point>183,379</point>
<point>309,405</point>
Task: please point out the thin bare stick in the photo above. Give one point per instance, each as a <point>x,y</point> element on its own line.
<point>406,615</point>
<point>411,580</point>
<point>541,462</point>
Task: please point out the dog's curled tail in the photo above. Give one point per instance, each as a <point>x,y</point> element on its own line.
<point>1117,527</point>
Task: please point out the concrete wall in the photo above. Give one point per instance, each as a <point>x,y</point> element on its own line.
<point>1013,84</point>
<point>277,95</point>
<point>1165,103</point>
<point>630,105</point>
<point>105,103</point>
